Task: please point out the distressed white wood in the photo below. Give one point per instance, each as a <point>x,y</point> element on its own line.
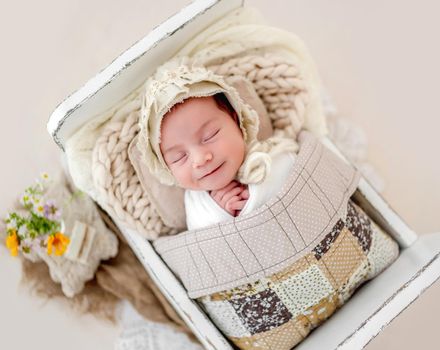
<point>372,307</point>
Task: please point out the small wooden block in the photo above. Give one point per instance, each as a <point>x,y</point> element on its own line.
<point>87,245</point>
<point>76,240</point>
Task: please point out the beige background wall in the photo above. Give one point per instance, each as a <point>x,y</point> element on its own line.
<point>378,59</point>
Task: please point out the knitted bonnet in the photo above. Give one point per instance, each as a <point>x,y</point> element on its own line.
<point>178,80</point>
<point>172,83</point>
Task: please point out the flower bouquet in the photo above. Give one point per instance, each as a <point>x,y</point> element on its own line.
<point>37,228</point>
<point>60,226</point>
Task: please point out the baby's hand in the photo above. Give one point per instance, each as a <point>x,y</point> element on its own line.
<point>232,197</point>
<point>235,205</point>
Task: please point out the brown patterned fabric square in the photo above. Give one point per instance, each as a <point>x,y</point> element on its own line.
<point>326,243</point>
<point>360,225</point>
<point>262,311</point>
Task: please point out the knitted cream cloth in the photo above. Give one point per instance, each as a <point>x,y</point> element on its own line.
<point>241,42</point>
<point>274,61</point>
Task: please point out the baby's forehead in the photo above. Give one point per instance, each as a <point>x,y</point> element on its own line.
<point>185,118</point>
<point>193,101</point>
<point>191,112</point>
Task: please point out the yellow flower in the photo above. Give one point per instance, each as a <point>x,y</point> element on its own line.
<point>12,242</point>
<point>59,241</point>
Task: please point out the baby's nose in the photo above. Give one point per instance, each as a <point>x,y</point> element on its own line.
<point>201,158</point>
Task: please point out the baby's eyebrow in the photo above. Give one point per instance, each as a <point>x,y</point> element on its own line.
<point>205,124</point>
<point>170,149</point>
<point>197,132</point>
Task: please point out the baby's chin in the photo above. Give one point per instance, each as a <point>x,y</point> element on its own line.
<point>219,185</point>
<point>212,185</point>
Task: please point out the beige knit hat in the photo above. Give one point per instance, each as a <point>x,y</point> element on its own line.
<point>172,83</point>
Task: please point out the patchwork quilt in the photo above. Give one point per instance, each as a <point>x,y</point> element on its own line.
<point>269,277</point>
<point>278,311</point>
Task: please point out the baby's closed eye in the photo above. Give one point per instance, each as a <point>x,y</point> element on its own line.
<point>177,157</point>
<point>210,135</point>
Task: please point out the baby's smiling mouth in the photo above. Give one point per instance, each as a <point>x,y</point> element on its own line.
<point>212,171</point>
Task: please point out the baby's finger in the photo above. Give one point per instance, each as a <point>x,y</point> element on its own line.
<point>218,194</point>
<point>230,211</point>
<point>233,193</point>
<point>245,194</point>
<point>228,205</point>
<point>238,205</point>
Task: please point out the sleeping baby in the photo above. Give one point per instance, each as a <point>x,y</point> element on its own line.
<point>274,244</point>
<point>204,148</point>
<point>210,148</point>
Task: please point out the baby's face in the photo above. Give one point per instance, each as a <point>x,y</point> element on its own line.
<point>201,144</point>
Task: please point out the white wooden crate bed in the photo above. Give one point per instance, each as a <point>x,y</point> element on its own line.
<point>372,307</point>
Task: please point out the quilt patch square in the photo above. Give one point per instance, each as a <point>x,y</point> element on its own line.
<point>297,267</point>
<point>225,317</point>
<point>328,240</point>
<point>342,259</point>
<point>244,290</point>
<point>261,312</point>
<point>303,290</point>
<point>359,225</point>
<point>318,313</point>
<point>284,337</point>
<point>383,251</point>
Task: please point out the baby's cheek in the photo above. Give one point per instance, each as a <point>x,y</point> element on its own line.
<point>180,177</point>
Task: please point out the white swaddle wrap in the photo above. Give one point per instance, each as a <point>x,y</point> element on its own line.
<point>202,210</point>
